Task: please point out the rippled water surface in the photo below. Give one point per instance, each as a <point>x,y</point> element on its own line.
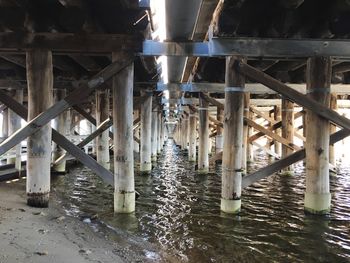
<point>178,215</point>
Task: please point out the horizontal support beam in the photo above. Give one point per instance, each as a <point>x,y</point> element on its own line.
<point>182,49</point>
<point>270,48</point>
<point>67,43</point>
<point>254,102</point>
<point>252,88</point>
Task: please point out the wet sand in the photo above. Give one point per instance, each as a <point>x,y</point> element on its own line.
<point>47,235</point>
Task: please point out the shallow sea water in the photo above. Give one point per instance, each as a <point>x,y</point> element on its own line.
<point>178,217</point>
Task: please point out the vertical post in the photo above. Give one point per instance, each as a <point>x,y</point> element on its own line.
<point>159,131</point>
<point>233,136</point>
<point>40,96</point>
<point>136,133</point>
<point>203,131</point>
<point>317,195</point>
<point>287,130</point>
<point>61,127</point>
<point>250,148</point>
<point>277,117</point>
<point>14,124</point>
<point>124,185</point>
<point>245,132</point>
<point>102,141</point>
<point>154,137</point>
<point>5,129</point>
<point>192,152</point>
<point>146,131</point>
<point>332,129</point>
<point>93,128</point>
<point>219,142</point>
<point>183,132</point>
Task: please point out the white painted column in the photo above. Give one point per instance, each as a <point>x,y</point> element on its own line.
<point>192,152</point>
<point>102,141</point>
<point>40,97</point>
<point>124,185</point>
<point>146,132</point>
<point>203,131</point>
<point>159,131</point>
<point>154,137</point>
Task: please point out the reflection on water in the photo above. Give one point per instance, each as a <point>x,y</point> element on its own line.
<point>178,215</point>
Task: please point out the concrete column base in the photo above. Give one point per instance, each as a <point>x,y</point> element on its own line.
<point>230,206</point>
<point>145,167</point>
<point>124,203</point>
<point>317,203</point>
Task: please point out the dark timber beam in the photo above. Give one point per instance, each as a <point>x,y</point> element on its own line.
<point>67,43</point>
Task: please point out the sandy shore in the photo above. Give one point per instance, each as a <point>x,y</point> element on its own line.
<point>48,235</point>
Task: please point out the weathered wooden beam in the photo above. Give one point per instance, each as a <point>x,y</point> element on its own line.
<point>101,128</point>
<point>267,150</point>
<point>293,95</point>
<point>69,43</point>
<point>262,115</point>
<point>289,160</point>
<point>73,98</point>
<point>62,141</point>
<point>212,101</point>
<point>272,134</point>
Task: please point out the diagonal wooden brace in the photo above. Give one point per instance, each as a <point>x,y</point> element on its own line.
<point>91,119</point>
<point>74,150</point>
<point>287,161</point>
<point>101,128</point>
<point>293,95</point>
<point>73,98</point>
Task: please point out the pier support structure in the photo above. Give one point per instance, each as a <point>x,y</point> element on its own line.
<point>203,131</point>
<point>124,185</point>
<point>40,97</point>
<point>146,133</point>
<point>192,150</point>
<point>154,137</point>
<point>287,131</point>
<point>317,194</point>
<point>14,124</point>
<point>61,126</point>
<point>219,142</point>
<point>245,132</point>
<point>159,131</point>
<point>233,138</point>
<point>136,132</point>
<point>332,129</point>
<point>277,118</point>
<point>102,141</point>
